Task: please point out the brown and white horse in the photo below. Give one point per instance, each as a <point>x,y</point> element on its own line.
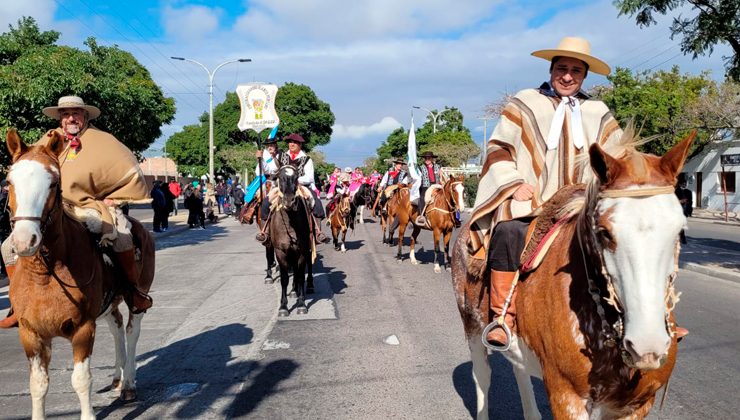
<point>61,282</point>
<point>440,214</point>
<point>595,319</point>
<point>340,220</point>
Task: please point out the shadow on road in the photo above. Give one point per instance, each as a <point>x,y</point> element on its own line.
<point>197,370</point>
<point>353,245</point>
<point>262,385</point>
<point>503,397</point>
<point>335,277</point>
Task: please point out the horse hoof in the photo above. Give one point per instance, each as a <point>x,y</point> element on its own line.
<point>293,294</point>
<point>336,248</point>
<point>301,310</point>
<point>310,290</point>
<point>437,270</point>
<point>116,385</point>
<point>448,268</point>
<point>269,280</point>
<point>414,262</point>
<point>283,312</point>
<point>128,395</point>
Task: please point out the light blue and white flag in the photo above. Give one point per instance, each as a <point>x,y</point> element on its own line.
<point>273,133</point>
<point>413,171</point>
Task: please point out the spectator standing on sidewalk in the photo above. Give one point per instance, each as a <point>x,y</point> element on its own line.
<point>220,194</point>
<point>176,189</point>
<point>687,203</point>
<point>169,200</point>
<point>194,204</point>
<point>238,197</point>
<point>159,205</point>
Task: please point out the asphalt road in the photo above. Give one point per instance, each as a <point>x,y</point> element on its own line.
<point>212,346</point>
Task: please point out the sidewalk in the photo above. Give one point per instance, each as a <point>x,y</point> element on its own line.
<point>715,216</point>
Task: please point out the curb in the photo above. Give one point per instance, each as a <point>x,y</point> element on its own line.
<point>177,229</point>
<point>712,272</point>
<point>715,221</point>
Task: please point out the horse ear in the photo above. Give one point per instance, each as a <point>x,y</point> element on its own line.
<point>602,163</point>
<point>55,145</point>
<point>672,162</point>
<point>16,146</point>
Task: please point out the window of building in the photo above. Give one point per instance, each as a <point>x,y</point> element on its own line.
<point>727,182</point>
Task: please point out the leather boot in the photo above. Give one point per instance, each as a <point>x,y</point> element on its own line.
<point>500,287</point>
<point>131,268</point>
<point>681,332</point>
<point>10,320</point>
<point>318,236</point>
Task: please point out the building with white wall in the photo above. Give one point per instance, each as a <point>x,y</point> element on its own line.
<point>705,176</point>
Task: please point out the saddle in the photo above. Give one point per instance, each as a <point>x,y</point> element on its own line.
<point>547,226</point>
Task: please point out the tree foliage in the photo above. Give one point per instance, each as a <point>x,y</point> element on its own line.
<point>452,143</point>
<point>668,105</point>
<point>298,107</point>
<point>715,22</point>
<point>35,73</point>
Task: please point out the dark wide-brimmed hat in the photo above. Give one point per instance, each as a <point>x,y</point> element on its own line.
<point>270,141</point>
<point>67,102</point>
<point>429,155</point>
<point>399,160</point>
<point>294,137</point>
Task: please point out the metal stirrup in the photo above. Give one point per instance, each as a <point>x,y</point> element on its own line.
<point>492,326</point>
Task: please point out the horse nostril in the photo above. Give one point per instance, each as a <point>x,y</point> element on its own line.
<point>34,238</point>
<point>629,346</point>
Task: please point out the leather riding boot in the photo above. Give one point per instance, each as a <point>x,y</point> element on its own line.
<point>10,320</point>
<point>130,267</point>
<point>500,286</point>
<point>318,235</point>
<point>681,332</point>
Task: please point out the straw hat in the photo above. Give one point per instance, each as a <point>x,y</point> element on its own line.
<point>577,48</point>
<point>66,102</point>
<point>344,178</point>
<point>348,170</point>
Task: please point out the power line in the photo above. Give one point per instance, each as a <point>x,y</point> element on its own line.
<point>654,57</point>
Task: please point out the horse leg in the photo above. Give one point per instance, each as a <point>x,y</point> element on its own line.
<point>335,236</point>
<point>481,375</point>
<point>564,403</point>
<point>82,345</point>
<point>309,277</point>
<point>362,218</point>
<point>436,234</point>
<point>38,352</point>
<point>401,233</point>
<point>270,257</point>
<point>447,237</point>
<point>412,252</point>
<point>299,282</point>
<point>526,393</point>
<point>344,238</point>
<point>284,280</point>
<point>128,382</point>
<point>115,325</point>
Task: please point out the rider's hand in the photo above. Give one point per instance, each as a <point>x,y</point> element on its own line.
<point>108,202</point>
<point>258,154</point>
<point>524,192</point>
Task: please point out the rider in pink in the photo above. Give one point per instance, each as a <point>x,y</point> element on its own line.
<point>358,178</point>
<point>375,178</point>
<point>333,183</point>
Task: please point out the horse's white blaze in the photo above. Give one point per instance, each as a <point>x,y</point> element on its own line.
<point>32,182</point>
<point>645,230</point>
<point>459,189</point>
<point>38,385</point>
<point>289,171</point>
<point>82,384</point>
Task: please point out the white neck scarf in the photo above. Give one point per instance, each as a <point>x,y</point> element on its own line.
<point>556,128</point>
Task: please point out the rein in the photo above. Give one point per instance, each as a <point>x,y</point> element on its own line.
<point>450,201</point>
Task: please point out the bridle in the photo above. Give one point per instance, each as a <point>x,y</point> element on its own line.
<point>613,334</point>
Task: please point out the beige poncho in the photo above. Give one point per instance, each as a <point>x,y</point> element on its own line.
<point>103,168</point>
<point>517,153</point>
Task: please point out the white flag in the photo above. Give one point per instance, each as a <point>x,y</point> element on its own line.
<point>413,172</point>
<point>257,102</point>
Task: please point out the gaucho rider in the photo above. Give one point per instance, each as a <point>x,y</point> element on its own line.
<point>267,159</point>
<point>392,178</point>
<point>530,155</point>
<point>430,175</point>
<point>296,157</point>
<point>99,174</point>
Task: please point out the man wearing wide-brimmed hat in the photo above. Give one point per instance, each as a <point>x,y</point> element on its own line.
<point>530,155</point>
<point>430,175</point>
<point>99,174</point>
<point>392,178</point>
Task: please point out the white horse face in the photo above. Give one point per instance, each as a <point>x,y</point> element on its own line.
<point>638,236</point>
<point>459,193</point>
<point>30,186</point>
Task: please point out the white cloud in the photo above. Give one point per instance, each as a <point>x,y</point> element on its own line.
<point>384,126</point>
<point>191,22</point>
<point>41,10</point>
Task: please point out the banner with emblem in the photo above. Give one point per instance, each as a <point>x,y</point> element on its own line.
<point>257,103</point>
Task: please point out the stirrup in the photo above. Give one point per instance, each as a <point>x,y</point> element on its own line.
<point>492,326</point>
<point>421,221</point>
<point>262,238</point>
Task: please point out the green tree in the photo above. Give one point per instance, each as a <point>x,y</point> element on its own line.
<point>657,103</point>
<point>715,22</point>
<point>452,142</point>
<point>34,73</point>
<point>298,107</point>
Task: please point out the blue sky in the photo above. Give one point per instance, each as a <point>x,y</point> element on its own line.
<point>371,60</point>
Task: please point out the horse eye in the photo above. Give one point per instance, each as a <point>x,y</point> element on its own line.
<point>605,236</point>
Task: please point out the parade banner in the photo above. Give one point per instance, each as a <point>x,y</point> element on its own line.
<point>413,172</point>
<point>257,103</point>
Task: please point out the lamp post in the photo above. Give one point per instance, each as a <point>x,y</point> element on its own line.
<point>434,116</point>
<point>210,105</point>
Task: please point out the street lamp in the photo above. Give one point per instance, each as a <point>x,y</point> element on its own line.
<point>210,105</point>
<point>434,116</point>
